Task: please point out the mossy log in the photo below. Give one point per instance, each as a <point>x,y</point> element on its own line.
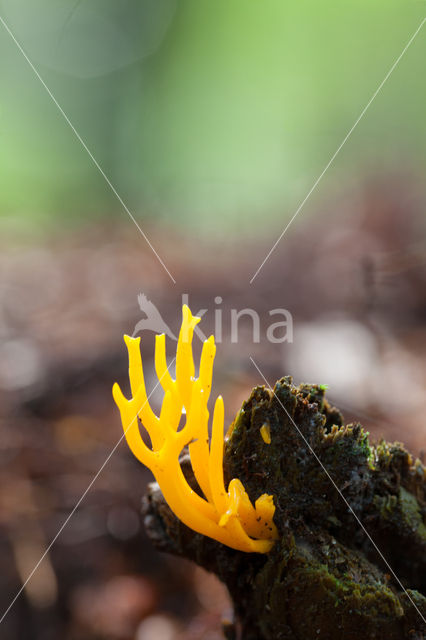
<point>350,561</point>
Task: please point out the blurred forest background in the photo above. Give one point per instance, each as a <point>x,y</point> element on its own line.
<point>212,120</point>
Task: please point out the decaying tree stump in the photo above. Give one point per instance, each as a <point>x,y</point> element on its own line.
<point>324,578</point>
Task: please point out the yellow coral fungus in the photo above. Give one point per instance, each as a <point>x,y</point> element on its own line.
<point>265,432</point>
<point>226,516</point>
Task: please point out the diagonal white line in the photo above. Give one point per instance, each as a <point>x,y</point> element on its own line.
<point>64,524</point>
<point>341,494</point>
<point>84,145</point>
<point>329,163</point>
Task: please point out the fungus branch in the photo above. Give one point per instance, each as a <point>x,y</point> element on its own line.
<point>226,516</point>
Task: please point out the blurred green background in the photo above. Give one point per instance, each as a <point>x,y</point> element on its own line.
<point>202,113</point>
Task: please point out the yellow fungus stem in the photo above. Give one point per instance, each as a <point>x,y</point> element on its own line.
<point>219,494</point>
<point>265,432</point>
<point>161,369</point>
